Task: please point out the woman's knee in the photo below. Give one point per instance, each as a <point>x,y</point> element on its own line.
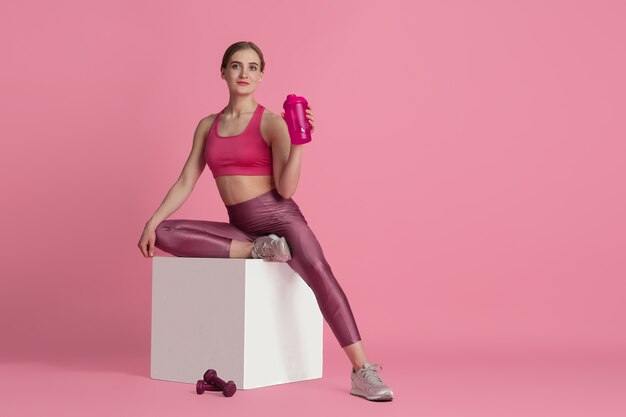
<point>165,225</point>
<point>164,234</point>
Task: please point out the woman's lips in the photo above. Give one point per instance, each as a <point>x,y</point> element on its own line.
<point>242,83</point>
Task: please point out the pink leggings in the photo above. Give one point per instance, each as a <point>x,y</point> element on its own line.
<point>262,215</point>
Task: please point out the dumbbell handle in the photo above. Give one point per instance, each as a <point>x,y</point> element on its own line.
<point>202,386</point>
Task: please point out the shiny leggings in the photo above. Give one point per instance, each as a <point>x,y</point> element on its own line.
<point>262,215</point>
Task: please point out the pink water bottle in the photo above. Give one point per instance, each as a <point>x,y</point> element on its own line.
<point>295,116</point>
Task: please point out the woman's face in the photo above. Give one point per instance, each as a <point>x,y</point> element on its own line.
<point>243,66</point>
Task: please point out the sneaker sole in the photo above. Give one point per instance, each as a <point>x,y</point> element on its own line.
<point>360,393</point>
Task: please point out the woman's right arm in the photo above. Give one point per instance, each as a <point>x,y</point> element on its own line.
<point>181,189</point>
<point>174,198</point>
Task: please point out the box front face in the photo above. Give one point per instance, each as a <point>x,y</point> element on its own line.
<point>197,318</point>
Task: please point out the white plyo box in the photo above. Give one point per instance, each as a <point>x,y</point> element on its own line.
<point>255,322</point>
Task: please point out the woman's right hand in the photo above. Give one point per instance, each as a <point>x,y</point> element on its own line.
<point>146,243</point>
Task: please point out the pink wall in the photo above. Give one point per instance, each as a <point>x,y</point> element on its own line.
<point>466,179</point>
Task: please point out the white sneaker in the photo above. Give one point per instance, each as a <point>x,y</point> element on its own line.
<point>367,384</point>
<point>271,248</point>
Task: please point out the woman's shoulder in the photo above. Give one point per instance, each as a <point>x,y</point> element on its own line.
<point>268,117</point>
<point>266,110</point>
<point>271,118</point>
<point>210,118</point>
<point>270,124</point>
<point>207,121</point>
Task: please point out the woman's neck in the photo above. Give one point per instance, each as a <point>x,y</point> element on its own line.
<point>236,108</point>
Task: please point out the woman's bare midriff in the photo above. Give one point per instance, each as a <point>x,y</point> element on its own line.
<point>236,189</point>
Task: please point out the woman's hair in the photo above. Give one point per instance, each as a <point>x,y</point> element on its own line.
<point>241,45</point>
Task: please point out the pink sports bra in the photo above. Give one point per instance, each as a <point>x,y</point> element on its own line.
<point>244,154</point>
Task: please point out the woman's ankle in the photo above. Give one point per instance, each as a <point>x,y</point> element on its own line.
<point>241,249</point>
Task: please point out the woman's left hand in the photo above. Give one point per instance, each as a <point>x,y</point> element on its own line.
<point>309,116</point>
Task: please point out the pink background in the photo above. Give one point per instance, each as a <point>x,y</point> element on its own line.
<point>465,179</point>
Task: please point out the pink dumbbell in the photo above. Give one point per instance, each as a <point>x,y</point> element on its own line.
<point>228,388</point>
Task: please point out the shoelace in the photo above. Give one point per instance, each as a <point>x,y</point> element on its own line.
<point>370,373</point>
<point>265,251</point>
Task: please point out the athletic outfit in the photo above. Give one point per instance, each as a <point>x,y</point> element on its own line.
<point>244,154</point>
<point>269,213</point>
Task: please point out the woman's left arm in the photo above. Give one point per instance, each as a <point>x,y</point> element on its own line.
<point>287,157</point>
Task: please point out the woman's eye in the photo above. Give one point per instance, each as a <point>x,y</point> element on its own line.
<point>236,65</point>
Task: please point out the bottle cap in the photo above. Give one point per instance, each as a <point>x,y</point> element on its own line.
<point>293,99</point>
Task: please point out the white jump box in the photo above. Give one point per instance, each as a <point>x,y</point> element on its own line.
<point>255,322</point>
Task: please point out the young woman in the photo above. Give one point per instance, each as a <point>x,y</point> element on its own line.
<point>256,169</point>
